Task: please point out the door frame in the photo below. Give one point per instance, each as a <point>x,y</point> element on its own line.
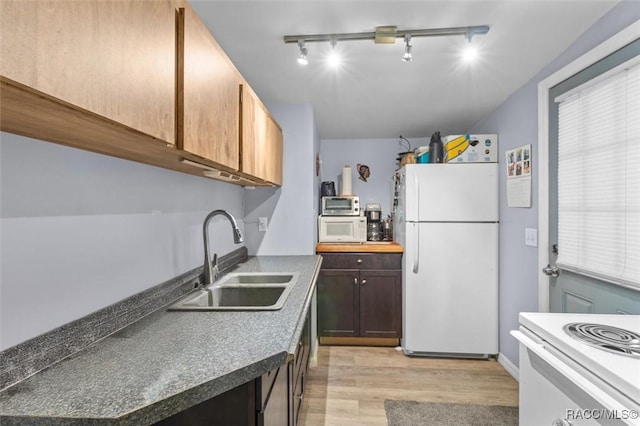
<point>604,49</point>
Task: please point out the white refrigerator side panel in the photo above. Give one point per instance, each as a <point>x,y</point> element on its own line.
<point>451,192</point>
<point>450,287</point>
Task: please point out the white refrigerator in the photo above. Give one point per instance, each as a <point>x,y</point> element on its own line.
<point>447,221</point>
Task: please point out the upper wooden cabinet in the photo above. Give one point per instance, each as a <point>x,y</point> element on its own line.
<point>140,80</point>
<point>112,58</point>
<point>208,95</point>
<point>260,139</point>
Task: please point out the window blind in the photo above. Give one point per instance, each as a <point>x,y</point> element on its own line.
<point>599,178</point>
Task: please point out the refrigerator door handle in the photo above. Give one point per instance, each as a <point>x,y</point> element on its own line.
<point>416,251</point>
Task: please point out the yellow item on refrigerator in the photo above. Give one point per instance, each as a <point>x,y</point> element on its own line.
<point>471,148</point>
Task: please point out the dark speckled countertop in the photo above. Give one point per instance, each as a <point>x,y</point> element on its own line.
<point>166,362</point>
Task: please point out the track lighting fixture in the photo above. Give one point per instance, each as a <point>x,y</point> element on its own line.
<point>302,58</point>
<point>407,57</point>
<point>385,35</point>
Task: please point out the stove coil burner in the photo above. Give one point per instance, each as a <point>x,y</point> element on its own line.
<point>605,337</point>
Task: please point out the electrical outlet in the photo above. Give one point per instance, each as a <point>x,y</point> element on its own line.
<point>531,237</point>
<point>262,224</point>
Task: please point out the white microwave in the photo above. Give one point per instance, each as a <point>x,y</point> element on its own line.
<point>342,229</point>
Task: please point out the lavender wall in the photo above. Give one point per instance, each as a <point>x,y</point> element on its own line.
<point>290,208</point>
<point>80,231</point>
<point>516,121</point>
<point>379,154</point>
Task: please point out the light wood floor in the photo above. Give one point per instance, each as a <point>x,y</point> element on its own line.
<point>349,384</point>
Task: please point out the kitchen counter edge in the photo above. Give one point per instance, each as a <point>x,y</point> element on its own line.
<point>275,355</point>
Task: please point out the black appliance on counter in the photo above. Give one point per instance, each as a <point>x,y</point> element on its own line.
<point>373,213</point>
<point>327,189</point>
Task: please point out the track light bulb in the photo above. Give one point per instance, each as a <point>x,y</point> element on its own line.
<point>469,54</point>
<point>334,58</point>
<point>302,58</point>
<point>407,57</point>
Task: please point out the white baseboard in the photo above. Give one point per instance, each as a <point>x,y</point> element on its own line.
<point>509,366</point>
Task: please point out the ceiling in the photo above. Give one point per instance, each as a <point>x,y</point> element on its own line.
<point>374,94</point>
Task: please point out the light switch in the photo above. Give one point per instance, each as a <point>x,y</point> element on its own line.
<point>531,237</point>
<point>262,224</point>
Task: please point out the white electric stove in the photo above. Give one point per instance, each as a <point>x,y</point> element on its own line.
<point>579,369</point>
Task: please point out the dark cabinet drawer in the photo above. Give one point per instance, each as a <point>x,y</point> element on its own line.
<point>362,261</point>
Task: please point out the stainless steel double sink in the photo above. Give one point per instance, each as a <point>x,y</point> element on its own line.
<point>248,291</point>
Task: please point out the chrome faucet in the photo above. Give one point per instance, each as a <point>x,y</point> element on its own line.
<point>211,273</point>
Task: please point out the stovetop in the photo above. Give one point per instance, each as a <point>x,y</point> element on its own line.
<point>620,367</point>
<point>605,337</point>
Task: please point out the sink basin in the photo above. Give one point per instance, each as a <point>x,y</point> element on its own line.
<point>241,292</point>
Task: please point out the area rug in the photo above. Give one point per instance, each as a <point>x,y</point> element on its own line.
<point>412,413</point>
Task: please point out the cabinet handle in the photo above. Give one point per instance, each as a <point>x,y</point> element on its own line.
<point>359,261</point>
<point>355,281</point>
<point>363,282</point>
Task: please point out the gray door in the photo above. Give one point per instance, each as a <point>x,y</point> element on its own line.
<point>568,291</point>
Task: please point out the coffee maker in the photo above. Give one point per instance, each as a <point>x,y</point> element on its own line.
<point>373,212</point>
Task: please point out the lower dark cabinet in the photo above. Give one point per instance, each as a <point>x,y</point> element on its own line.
<point>338,303</point>
<point>360,295</point>
<point>381,304</point>
<point>274,399</point>
<point>234,407</point>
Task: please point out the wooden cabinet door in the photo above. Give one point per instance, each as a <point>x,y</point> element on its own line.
<point>338,303</point>
<point>208,107</point>
<point>274,151</point>
<point>380,303</point>
<point>261,139</point>
<point>114,58</point>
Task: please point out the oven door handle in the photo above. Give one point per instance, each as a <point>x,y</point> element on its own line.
<point>566,370</point>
